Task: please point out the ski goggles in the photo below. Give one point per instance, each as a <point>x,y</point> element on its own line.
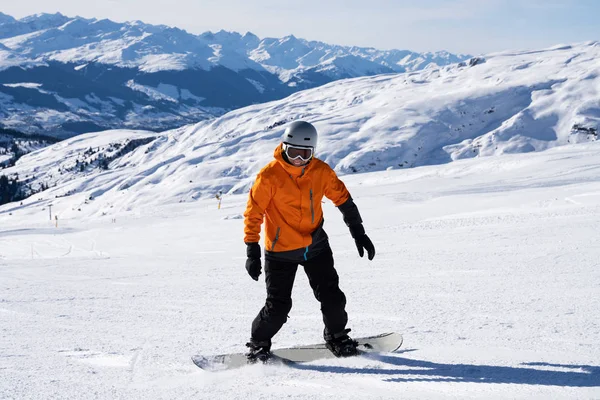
<point>293,152</point>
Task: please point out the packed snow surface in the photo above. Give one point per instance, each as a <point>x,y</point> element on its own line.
<point>488,267</point>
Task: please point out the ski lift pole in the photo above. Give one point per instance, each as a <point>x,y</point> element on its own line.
<point>219,196</point>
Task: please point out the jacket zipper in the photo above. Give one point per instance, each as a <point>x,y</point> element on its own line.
<point>312,208</point>
<point>276,238</point>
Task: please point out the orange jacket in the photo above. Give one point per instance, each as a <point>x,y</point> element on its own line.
<point>290,199</point>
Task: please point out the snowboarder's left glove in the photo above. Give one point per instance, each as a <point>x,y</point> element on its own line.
<point>362,241</point>
<point>253,262</point>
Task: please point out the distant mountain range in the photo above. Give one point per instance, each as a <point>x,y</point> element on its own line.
<point>62,76</point>
<point>505,103</point>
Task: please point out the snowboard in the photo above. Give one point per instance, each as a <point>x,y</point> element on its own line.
<point>384,343</point>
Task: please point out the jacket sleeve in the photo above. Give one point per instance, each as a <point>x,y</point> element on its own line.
<point>258,200</point>
<point>336,191</point>
<point>334,188</point>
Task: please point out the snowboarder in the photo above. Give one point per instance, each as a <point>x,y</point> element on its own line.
<point>288,192</point>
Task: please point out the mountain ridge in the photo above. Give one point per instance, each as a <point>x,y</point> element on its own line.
<point>211,72</point>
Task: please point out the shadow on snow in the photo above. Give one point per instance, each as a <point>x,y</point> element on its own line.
<point>411,370</point>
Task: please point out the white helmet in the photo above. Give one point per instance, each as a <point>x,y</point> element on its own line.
<point>299,136</point>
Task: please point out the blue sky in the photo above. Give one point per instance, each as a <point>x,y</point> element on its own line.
<point>467,26</point>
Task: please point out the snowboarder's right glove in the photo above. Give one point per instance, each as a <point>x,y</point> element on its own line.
<point>362,241</point>
<point>253,262</point>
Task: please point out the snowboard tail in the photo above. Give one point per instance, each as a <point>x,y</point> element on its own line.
<point>384,343</point>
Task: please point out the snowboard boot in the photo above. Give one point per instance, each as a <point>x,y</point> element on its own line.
<point>259,351</point>
<point>341,345</point>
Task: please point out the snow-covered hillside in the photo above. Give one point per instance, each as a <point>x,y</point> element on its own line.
<point>14,144</point>
<point>488,267</point>
<point>63,76</point>
<point>506,103</point>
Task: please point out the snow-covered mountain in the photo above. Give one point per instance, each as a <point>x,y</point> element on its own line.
<point>511,102</point>
<point>63,76</point>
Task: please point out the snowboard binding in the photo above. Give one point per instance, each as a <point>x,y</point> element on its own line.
<point>341,345</point>
<point>259,352</point>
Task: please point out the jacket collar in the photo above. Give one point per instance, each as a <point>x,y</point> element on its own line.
<point>289,168</point>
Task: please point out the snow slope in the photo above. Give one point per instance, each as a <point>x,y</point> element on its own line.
<point>488,266</point>
<point>514,102</point>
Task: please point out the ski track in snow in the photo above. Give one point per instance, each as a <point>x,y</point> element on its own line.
<point>489,268</point>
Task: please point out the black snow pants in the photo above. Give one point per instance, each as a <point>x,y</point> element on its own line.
<point>324,281</point>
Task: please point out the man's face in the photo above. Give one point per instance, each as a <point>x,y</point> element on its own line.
<point>298,162</point>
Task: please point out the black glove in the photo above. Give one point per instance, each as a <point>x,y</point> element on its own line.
<point>253,262</point>
<point>362,241</point>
